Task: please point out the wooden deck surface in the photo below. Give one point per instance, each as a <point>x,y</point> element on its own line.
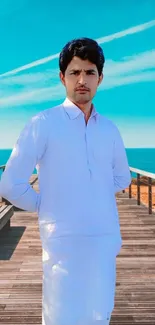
<point>21,268</point>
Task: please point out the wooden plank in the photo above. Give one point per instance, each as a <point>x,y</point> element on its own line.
<point>5,216</point>
<point>2,208</point>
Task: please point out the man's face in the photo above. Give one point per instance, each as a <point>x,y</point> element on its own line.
<point>81,80</point>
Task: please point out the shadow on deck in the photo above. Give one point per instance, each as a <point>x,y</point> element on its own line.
<point>21,268</point>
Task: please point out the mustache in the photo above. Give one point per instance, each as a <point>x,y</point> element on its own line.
<point>82,87</point>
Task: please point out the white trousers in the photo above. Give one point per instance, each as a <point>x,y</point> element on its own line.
<point>98,322</point>
<point>79,276</point>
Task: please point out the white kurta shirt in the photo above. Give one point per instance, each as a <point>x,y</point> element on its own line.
<point>80,169</point>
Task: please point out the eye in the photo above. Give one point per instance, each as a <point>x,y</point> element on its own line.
<point>90,72</point>
<point>75,72</point>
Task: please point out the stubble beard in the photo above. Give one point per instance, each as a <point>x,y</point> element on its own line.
<point>82,98</point>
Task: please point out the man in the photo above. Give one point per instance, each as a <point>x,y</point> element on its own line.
<point>82,164</point>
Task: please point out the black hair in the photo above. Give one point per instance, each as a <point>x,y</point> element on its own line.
<point>84,48</point>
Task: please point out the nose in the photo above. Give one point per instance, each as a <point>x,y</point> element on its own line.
<point>82,79</point>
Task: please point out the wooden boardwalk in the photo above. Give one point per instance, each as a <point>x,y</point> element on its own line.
<point>21,268</point>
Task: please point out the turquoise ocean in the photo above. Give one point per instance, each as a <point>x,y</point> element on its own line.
<point>140,158</point>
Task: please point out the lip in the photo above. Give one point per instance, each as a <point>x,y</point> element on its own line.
<point>83,90</point>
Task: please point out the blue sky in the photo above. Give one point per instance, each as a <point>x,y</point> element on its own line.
<point>34,32</point>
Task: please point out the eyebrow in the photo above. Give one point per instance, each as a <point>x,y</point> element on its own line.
<point>78,70</point>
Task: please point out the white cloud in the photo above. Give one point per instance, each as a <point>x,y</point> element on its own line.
<point>138,62</point>
<point>101,40</point>
<point>36,95</point>
<point>41,95</point>
<point>127,65</point>
<point>128,31</point>
<point>128,70</point>
<point>30,65</point>
<point>116,81</point>
<point>30,78</point>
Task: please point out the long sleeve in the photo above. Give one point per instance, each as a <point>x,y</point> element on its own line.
<point>121,171</point>
<point>14,183</point>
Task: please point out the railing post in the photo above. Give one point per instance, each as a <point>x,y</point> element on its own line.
<point>130,189</point>
<point>138,189</point>
<point>150,194</point>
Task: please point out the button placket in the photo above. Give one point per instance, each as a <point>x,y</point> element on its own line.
<point>87,147</point>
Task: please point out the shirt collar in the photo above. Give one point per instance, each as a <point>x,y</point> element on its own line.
<point>73,111</point>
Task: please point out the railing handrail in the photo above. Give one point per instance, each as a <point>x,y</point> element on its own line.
<point>142,172</point>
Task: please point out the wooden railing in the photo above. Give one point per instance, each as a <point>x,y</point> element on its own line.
<point>148,181</point>
<point>2,167</point>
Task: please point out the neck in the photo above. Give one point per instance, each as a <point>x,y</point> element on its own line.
<point>85,108</point>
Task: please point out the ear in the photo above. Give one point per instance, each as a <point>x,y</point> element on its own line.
<point>100,79</point>
<point>62,78</point>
